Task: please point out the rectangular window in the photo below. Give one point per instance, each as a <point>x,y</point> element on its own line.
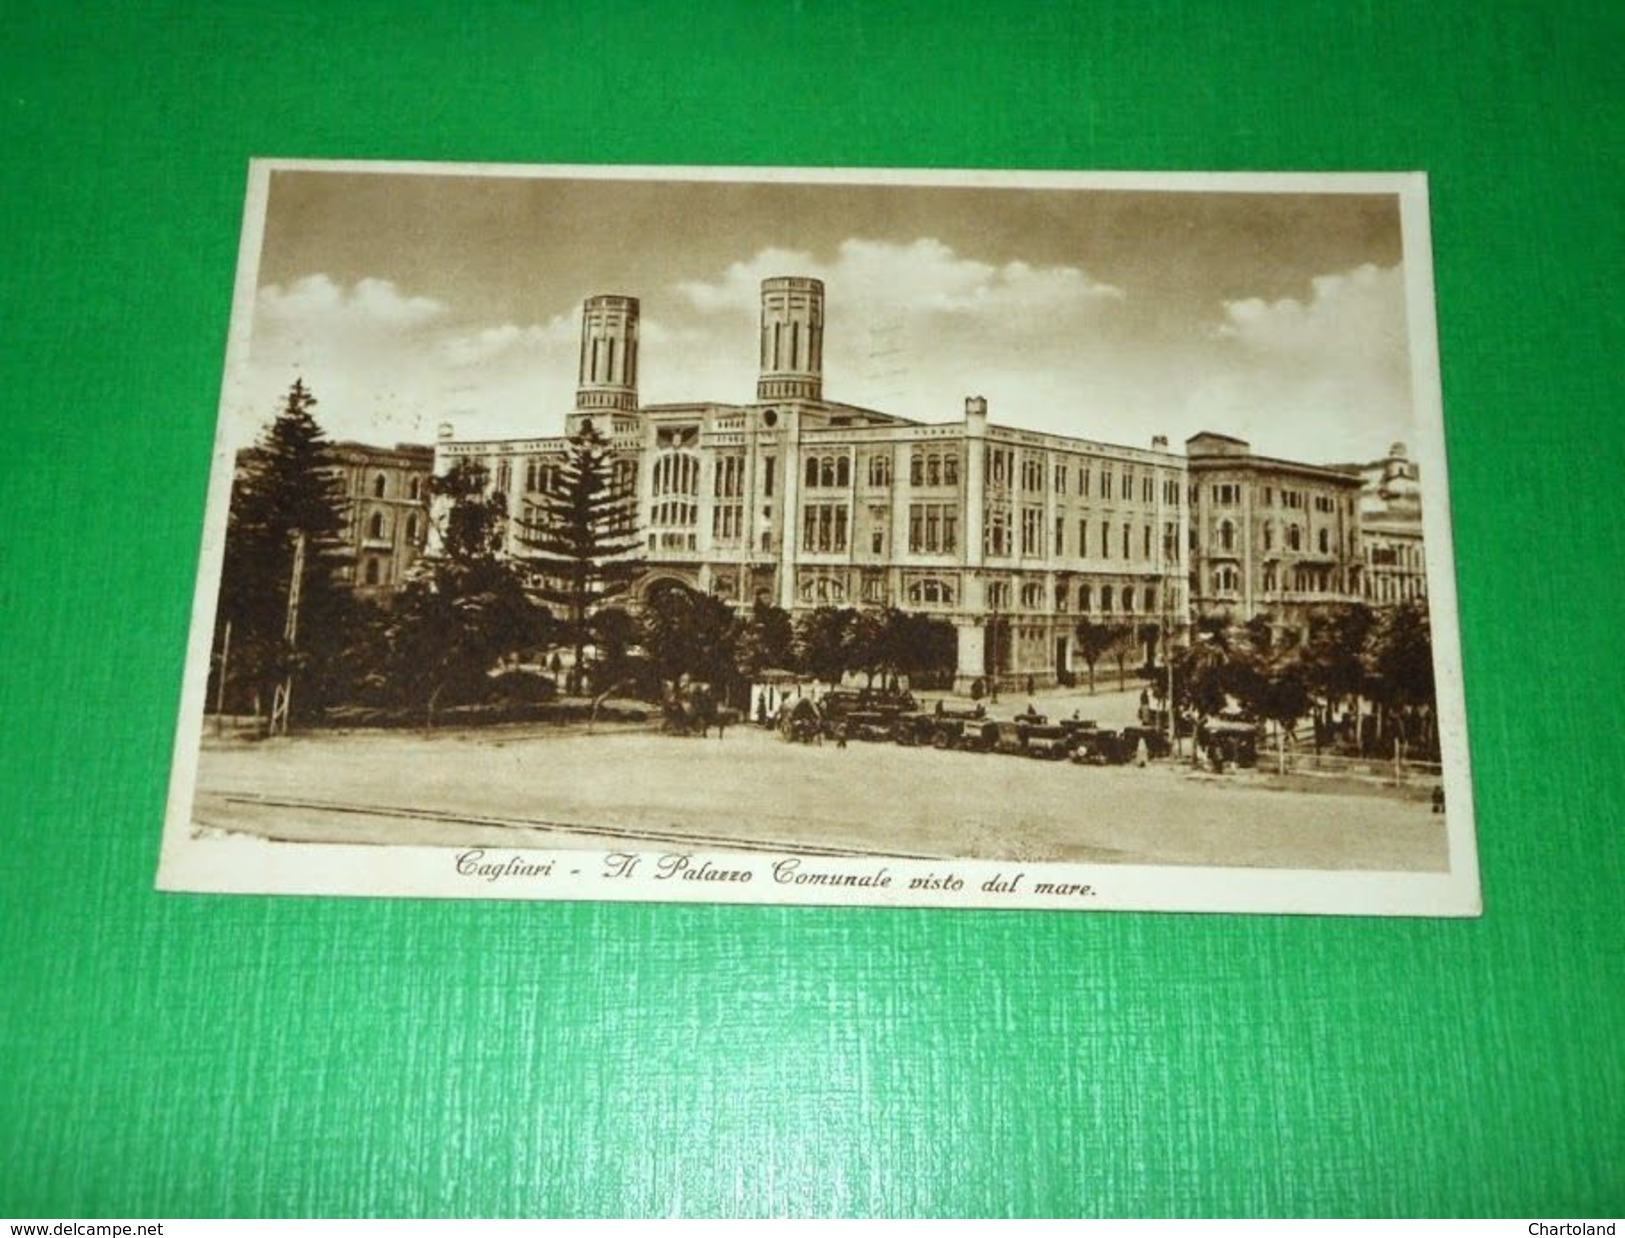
<point>824,528</point>
<point>1105,539</point>
<point>727,522</point>
<point>933,528</point>
<point>767,477</point>
<point>1083,481</point>
<point>996,535</point>
<point>1060,478</point>
<point>1060,536</point>
<point>1032,531</point>
<point>1128,485</point>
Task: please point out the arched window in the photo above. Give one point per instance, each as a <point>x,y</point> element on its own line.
<point>372,571</point>
<point>998,595</point>
<point>880,470</point>
<point>812,471</point>
<point>380,484</point>
<point>1325,541</point>
<point>1106,599</point>
<point>1086,595</point>
<point>933,470</point>
<point>1294,537</point>
<point>826,471</point>
<point>1227,535</point>
<point>1128,599</point>
<point>950,470</point>
<point>1150,599</point>
<point>414,489</point>
<point>916,469</point>
<point>412,529</point>
<point>843,472</point>
<point>931,592</point>
<point>375,526</point>
<point>1032,596</point>
<point>822,590</point>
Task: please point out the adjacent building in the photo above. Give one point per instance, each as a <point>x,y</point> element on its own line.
<point>1271,537</point>
<point>386,491</point>
<point>1391,523</point>
<point>385,508</point>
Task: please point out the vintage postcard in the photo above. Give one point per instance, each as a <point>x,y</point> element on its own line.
<point>953,539</point>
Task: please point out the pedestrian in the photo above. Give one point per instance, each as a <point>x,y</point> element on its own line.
<point>1438,799</point>
<point>840,735</point>
<point>1142,754</point>
<point>722,722</point>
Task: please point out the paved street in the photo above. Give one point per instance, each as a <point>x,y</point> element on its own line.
<point>530,786</point>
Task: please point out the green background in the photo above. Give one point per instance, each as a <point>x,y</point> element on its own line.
<point>176,1055</point>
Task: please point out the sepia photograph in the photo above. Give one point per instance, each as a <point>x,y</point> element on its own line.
<point>903,538</point>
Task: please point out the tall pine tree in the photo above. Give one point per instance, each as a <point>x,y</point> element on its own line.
<point>583,540</point>
<point>286,486</point>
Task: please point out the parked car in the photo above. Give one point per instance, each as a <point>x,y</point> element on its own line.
<point>871,724</point>
<point>977,735</point>
<point>1232,741</point>
<point>1047,743</point>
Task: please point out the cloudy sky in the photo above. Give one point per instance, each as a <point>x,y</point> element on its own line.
<point>407,300</point>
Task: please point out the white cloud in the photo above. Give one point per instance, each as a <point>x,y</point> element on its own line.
<point>316,301</point>
<point>922,275</point>
<point>1358,313</point>
<point>1324,377</point>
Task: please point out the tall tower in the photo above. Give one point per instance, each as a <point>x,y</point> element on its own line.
<point>607,380</point>
<point>792,339</point>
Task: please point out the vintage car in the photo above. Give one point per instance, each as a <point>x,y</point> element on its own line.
<point>1229,741</point>
<point>1047,743</point>
<point>977,735</point>
<point>1093,746</point>
<point>871,724</point>
<point>1156,742</point>
<point>915,728</point>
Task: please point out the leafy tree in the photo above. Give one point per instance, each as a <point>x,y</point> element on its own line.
<point>583,541</point>
<point>1094,640</point>
<point>286,490</point>
<point>1218,663</point>
<point>690,636</point>
<point>765,640</point>
<point>923,647</point>
<point>465,607</point>
<point>1400,660</point>
<point>870,642</point>
<point>614,633</point>
<point>822,647</point>
<point>1123,641</point>
<point>1334,661</point>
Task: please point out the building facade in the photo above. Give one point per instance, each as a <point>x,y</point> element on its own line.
<point>1012,536</point>
<point>1270,537</point>
<point>385,509</point>
<point>1391,522</point>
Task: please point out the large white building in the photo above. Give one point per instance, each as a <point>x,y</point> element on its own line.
<point>802,501</point>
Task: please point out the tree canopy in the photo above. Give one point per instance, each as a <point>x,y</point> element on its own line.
<point>582,538</point>
<point>286,491</point>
